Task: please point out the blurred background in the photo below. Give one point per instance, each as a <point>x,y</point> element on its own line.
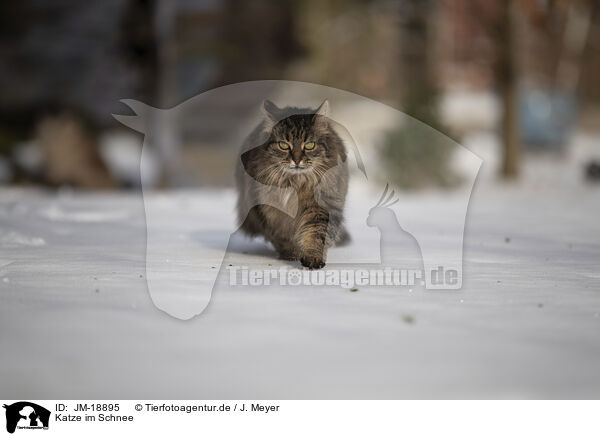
<point>515,81</point>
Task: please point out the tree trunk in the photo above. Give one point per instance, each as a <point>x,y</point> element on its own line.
<point>509,92</point>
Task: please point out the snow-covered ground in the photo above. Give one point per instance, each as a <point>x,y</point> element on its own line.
<point>76,319</point>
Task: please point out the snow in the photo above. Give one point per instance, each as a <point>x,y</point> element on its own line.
<point>77,321</point>
<point>467,110</point>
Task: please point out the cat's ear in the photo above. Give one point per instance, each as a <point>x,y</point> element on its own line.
<point>320,118</point>
<point>323,110</point>
<point>271,110</point>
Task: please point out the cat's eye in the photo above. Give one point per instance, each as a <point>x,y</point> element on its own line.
<point>284,145</point>
<point>309,146</point>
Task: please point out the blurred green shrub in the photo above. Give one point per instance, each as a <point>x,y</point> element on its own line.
<point>418,156</point>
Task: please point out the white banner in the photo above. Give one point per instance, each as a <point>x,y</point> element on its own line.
<point>264,417</point>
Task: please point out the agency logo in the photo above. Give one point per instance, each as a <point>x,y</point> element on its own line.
<point>26,415</point>
<point>330,198</point>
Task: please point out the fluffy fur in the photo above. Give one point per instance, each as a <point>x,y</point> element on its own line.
<point>301,151</point>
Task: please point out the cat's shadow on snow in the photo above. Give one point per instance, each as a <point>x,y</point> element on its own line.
<point>237,243</point>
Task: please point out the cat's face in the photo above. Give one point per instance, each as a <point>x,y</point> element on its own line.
<point>299,144</point>
<point>296,145</point>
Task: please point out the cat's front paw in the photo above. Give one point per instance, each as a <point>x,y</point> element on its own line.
<point>312,262</point>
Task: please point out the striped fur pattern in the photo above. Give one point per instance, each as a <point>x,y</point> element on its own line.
<point>294,148</point>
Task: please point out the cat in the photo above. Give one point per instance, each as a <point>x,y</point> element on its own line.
<point>303,152</point>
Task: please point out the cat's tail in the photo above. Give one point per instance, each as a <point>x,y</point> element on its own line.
<point>343,238</point>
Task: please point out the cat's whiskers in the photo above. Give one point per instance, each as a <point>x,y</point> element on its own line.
<point>276,175</point>
<point>269,169</point>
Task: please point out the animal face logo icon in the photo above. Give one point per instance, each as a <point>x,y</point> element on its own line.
<point>24,414</point>
<point>186,261</point>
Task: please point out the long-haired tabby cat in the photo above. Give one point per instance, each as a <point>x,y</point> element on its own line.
<point>301,151</point>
